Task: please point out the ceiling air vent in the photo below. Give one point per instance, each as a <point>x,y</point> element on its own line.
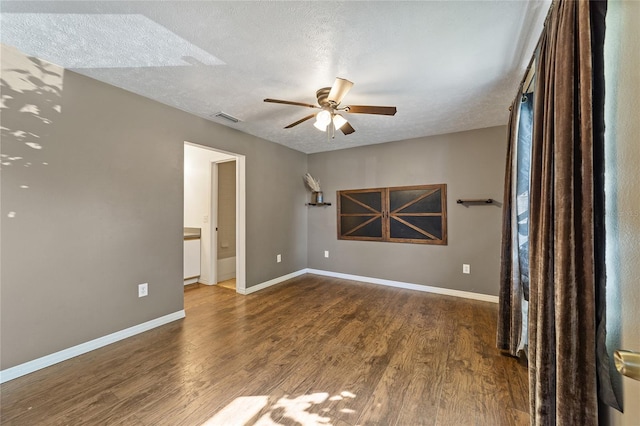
<point>226,116</point>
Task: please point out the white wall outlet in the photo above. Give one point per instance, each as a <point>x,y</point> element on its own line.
<point>326,253</point>
<point>466,269</point>
<point>279,258</point>
<point>143,289</point>
<point>205,219</point>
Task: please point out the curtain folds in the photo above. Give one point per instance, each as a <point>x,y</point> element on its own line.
<point>562,374</point>
<point>562,315</point>
<point>568,362</point>
<point>510,296</point>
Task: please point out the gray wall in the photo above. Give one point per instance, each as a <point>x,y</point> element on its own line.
<point>470,163</point>
<point>105,213</point>
<point>622,107</point>
<point>226,209</point>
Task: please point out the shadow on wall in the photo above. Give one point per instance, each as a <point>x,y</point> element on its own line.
<point>31,94</point>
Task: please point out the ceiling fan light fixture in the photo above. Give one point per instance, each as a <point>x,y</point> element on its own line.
<point>338,121</point>
<point>323,118</point>
<point>320,126</point>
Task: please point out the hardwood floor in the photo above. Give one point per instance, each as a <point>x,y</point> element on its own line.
<point>229,284</point>
<point>313,350</point>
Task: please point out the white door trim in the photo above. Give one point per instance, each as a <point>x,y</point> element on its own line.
<point>213,221</point>
<point>241,216</point>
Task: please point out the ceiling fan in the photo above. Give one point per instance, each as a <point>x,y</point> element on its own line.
<point>329,117</point>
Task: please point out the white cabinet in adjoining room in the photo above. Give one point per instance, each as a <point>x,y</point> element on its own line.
<point>191,255</point>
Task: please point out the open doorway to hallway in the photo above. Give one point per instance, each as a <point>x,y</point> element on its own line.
<point>214,216</point>
<point>225,171</point>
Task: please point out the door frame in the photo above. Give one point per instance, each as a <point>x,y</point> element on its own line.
<point>240,216</point>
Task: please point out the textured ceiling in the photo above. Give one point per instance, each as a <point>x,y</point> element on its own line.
<point>448,66</point>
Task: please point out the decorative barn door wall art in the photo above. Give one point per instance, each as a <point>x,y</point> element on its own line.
<point>406,214</point>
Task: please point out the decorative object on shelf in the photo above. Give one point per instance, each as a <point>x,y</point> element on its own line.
<point>316,193</point>
<point>407,214</point>
<point>476,201</point>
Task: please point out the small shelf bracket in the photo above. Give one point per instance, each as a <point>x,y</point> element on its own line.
<point>476,201</point>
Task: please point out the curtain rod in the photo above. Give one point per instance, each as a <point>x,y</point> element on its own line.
<point>529,77</point>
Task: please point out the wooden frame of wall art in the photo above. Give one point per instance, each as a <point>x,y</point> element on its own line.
<point>406,214</point>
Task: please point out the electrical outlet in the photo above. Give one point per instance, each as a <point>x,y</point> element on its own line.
<point>279,258</point>
<point>326,253</point>
<point>466,269</point>
<point>143,289</point>
<point>205,219</point>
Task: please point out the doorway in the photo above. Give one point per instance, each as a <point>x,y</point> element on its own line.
<point>223,204</point>
<point>201,212</point>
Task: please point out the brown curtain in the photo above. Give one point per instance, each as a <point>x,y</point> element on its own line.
<point>510,297</point>
<point>562,307</point>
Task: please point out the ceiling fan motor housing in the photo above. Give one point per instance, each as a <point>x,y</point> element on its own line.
<point>322,95</point>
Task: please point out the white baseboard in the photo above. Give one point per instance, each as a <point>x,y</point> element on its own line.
<point>190,281</point>
<point>274,281</point>
<point>65,354</point>
<point>378,281</point>
<point>408,286</point>
<point>226,268</point>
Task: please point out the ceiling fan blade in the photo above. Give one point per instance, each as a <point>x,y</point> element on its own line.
<point>347,129</point>
<point>302,120</point>
<point>370,109</point>
<point>340,88</point>
<point>278,101</point>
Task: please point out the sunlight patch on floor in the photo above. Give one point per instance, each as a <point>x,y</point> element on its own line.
<point>242,410</point>
<point>239,411</point>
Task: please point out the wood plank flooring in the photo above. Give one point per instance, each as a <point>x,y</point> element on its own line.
<point>229,284</point>
<point>310,351</point>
